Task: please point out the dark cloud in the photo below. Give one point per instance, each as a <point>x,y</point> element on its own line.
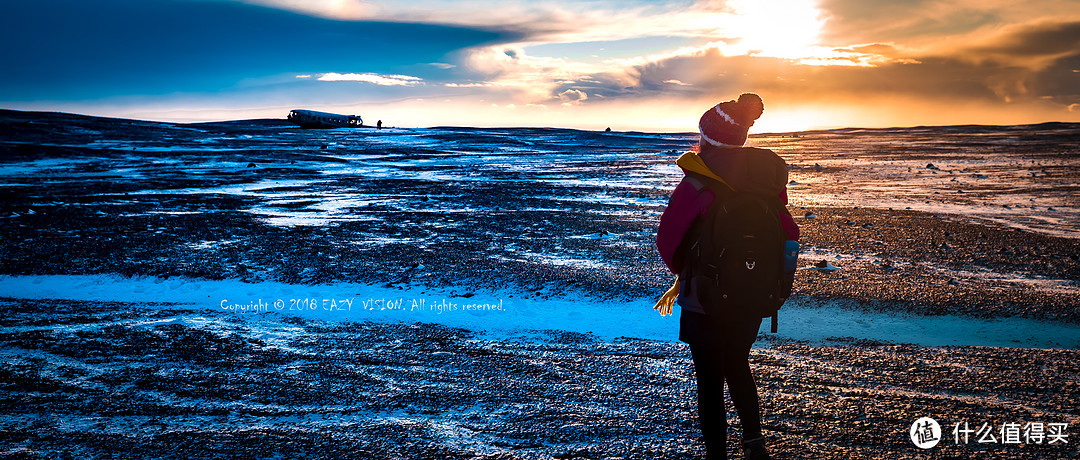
<point>61,49</point>
<point>1034,40</point>
<point>1059,83</point>
<point>860,21</point>
<point>938,79</point>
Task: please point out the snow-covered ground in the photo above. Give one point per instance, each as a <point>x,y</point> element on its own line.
<point>447,207</point>
<point>249,290</point>
<point>1021,177</point>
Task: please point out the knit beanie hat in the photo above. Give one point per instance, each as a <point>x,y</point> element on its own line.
<point>726,123</point>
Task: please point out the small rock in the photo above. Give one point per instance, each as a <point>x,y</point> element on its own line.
<point>825,265</point>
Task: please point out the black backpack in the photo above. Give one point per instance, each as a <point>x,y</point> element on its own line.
<point>736,253</point>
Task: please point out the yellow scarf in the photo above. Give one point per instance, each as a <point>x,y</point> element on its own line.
<point>691,161</point>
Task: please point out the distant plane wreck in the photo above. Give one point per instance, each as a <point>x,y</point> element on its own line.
<point>313,119</point>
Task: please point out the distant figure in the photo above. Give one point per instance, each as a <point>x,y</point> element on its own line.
<point>692,241</point>
<point>378,125</point>
<point>608,130</point>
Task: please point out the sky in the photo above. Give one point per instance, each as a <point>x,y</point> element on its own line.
<point>628,65</point>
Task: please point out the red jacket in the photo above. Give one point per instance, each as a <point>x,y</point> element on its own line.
<point>743,168</point>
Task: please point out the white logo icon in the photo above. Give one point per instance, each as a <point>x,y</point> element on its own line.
<point>925,433</point>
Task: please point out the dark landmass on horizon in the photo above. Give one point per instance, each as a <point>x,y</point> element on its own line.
<point>51,115</point>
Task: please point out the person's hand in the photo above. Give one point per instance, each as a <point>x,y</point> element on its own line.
<point>667,301</point>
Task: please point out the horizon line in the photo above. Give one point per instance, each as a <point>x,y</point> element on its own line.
<point>812,130</point>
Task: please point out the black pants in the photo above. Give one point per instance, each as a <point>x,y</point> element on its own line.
<point>715,365</point>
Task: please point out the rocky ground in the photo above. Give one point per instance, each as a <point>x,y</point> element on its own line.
<point>932,264</point>
<point>93,380</point>
<point>457,207</point>
<point>261,201</point>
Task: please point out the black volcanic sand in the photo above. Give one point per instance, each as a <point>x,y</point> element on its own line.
<point>120,203</point>
<point>930,264</point>
<point>92,379</point>
<point>96,380</point>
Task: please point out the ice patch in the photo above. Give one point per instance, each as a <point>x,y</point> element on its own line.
<point>509,313</point>
<point>270,188</point>
<point>560,260</point>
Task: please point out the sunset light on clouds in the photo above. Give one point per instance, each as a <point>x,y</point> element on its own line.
<point>629,65</point>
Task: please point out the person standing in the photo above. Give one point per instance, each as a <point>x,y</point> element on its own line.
<point>720,343</point>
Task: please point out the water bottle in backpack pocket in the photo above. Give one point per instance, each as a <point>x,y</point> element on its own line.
<point>787,275</point>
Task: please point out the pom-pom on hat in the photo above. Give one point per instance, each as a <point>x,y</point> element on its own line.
<point>726,123</point>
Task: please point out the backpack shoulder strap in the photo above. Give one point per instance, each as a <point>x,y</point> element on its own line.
<point>694,182</point>
<point>718,187</point>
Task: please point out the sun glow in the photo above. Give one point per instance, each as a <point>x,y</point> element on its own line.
<point>789,29</point>
<point>791,119</point>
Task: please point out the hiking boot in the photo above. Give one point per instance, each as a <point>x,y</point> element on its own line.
<point>754,449</point>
